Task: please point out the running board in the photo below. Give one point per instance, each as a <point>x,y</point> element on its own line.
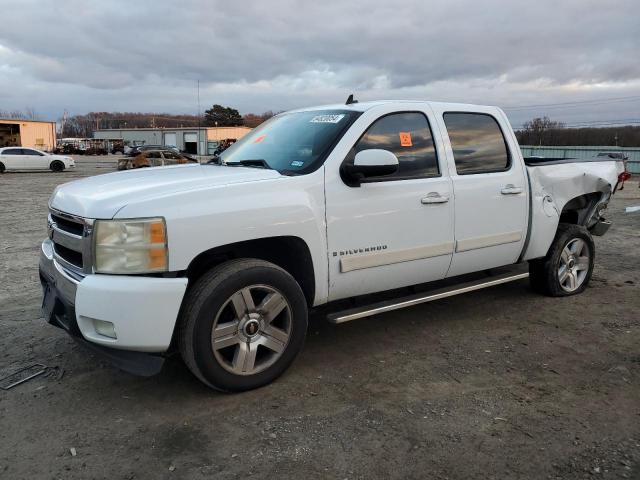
<point>417,299</point>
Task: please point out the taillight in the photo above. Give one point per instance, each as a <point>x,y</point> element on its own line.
<point>624,176</point>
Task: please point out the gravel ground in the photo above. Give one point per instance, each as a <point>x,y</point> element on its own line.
<point>500,383</point>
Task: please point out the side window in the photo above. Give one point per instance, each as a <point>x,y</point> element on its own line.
<point>477,142</point>
<point>155,159</point>
<point>27,151</point>
<point>408,136</point>
<point>170,155</point>
<point>12,151</point>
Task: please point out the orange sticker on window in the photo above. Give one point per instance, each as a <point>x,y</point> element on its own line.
<point>405,139</point>
<point>259,139</point>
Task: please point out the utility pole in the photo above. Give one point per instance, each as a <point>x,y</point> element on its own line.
<point>65,117</point>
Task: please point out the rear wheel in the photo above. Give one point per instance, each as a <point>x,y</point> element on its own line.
<point>2,167</point>
<point>567,268</point>
<point>243,324</point>
<point>56,166</point>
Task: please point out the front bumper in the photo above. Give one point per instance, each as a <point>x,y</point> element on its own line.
<point>142,310</point>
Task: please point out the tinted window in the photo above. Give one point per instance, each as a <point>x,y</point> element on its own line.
<point>477,143</point>
<point>171,155</point>
<point>12,151</point>
<point>408,136</point>
<point>27,151</point>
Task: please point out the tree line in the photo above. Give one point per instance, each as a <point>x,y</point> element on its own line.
<point>546,132</point>
<point>218,115</point>
<point>26,114</point>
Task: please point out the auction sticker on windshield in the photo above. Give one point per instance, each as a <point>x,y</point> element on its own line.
<point>326,118</point>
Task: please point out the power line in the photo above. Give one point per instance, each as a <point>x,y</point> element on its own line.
<point>575,103</point>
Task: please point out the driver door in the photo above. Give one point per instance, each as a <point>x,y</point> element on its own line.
<point>34,160</point>
<point>394,230</point>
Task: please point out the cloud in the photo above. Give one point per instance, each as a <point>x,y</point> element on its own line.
<point>280,54</point>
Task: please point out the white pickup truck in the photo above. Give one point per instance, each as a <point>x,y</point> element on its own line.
<point>223,261</point>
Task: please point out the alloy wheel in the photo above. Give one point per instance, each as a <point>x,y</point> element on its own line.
<point>574,264</point>
<point>251,330</point>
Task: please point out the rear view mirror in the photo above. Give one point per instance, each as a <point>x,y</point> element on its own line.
<point>371,163</point>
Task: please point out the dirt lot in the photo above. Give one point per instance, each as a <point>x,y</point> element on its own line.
<point>501,383</point>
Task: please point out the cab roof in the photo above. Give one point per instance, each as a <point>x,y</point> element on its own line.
<point>364,106</point>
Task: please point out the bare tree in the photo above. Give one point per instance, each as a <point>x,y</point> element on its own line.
<point>542,131</point>
<point>30,113</point>
<point>13,114</point>
<point>537,130</point>
<point>252,120</point>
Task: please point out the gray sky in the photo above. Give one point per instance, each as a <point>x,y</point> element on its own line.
<point>141,55</point>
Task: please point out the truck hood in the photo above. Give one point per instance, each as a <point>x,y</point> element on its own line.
<point>102,196</point>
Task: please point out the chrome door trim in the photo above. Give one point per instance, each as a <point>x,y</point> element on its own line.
<point>475,243</point>
<point>379,259</point>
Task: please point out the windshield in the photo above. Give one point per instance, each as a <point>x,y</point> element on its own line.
<point>291,143</point>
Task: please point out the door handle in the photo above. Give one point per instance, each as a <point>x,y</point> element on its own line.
<point>510,189</point>
<point>434,197</point>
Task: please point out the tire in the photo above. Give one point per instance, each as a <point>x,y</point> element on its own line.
<point>2,167</point>
<point>573,250</point>
<point>235,341</point>
<point>56,166</point>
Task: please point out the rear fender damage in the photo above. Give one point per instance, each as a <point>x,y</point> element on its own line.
<point>573,193</point>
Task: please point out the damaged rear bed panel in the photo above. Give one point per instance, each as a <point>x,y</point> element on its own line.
<point>553,184</point>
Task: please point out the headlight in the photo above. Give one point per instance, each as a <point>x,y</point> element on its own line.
<point>131,246</point>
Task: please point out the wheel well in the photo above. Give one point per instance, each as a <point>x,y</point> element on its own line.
<point>289,253</point>
<point>578,209</point>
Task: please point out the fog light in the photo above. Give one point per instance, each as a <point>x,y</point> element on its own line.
<point>105,329</point>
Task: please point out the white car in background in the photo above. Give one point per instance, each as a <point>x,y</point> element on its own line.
<point>19,158</point>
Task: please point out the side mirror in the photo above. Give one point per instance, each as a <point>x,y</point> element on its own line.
<point>370,163</point>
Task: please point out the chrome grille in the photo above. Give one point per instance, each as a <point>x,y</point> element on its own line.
<point>71,237</point>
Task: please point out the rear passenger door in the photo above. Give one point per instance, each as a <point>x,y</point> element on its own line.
<point>12,158</point>
<point>34,160</point>
<point>490,190</point>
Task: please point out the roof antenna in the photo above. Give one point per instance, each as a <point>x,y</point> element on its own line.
<point>350,100</point>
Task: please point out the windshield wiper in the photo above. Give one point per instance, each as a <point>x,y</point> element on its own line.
<point>250,163</point>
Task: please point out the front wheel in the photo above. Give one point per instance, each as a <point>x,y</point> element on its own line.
<point>567,268</point>
<point>56,166</point>
<point>243,323</point>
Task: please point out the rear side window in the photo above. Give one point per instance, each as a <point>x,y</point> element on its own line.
<point>12,151</point>
<point>408,136</point>
<point>477,142</point>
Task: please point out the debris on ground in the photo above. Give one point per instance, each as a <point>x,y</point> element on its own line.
<point>22,375</point>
